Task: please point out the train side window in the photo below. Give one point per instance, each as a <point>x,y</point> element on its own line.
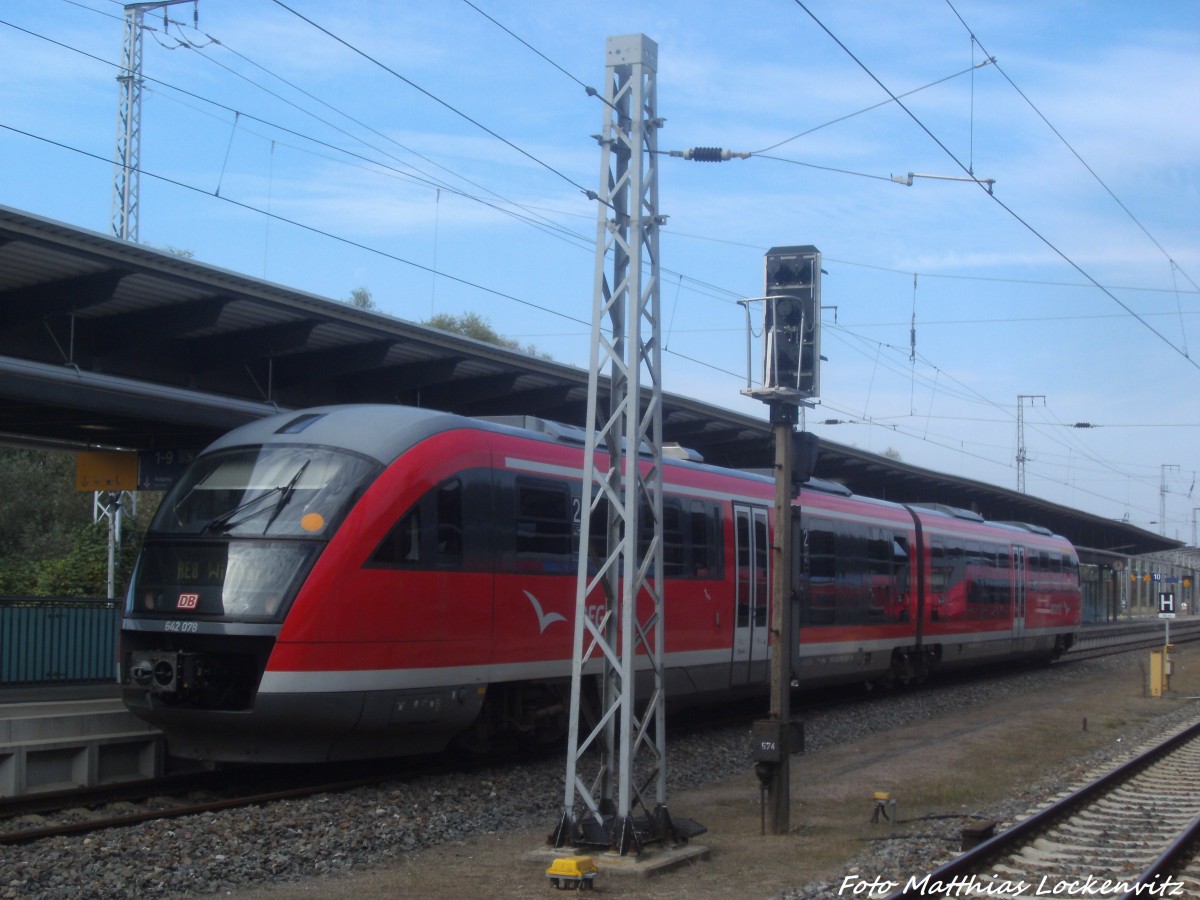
<point>1040,564</point>
<point>822,559</point>
<point>704,525</point>
<point>956,560</point>
<point>429,534</point>
<point>597,534</point>
<point>449,503</point>
<point>973,580</point>
<point>716,541</point>
<point>674,541</point>
<point>887,578</point>
<point>881,589</point>
<point>402,545</point>
<point>853,574</point>
<point>762,549</point>
<point>901,575</point>
<point>939,568</point>
<point>688,538</point>
<point>818,604</point>
<point>743,568</point>
<point>880,550</point>
<point>544,523</point>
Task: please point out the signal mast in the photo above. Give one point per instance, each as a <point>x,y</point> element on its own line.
<point>791,378</point>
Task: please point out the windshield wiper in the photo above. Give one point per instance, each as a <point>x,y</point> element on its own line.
<point>225,521</point>
<point>285,496</point>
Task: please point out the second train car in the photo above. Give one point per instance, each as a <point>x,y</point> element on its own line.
<point>364,581</point>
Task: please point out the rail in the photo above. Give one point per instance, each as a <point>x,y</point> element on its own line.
<point>57,641</point>
<point>984,856</point>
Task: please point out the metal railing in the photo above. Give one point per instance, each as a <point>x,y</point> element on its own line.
<point>49,641</point>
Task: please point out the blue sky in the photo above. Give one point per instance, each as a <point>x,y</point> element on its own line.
<point>1088,121</point>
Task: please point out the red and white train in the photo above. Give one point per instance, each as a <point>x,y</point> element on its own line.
<point>361,581</point>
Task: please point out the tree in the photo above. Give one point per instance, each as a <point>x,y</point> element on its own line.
<point>475,326</point>
<point>361,297</point>
<point>40,513</point>
<point>49,545</point>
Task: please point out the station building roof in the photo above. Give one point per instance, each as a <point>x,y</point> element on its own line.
<point>105,343</point>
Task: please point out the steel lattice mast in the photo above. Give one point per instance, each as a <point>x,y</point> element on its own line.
<point>622,486</point>
<point>129,121</point>
<point>129,127</point>
<point>1021,455</point>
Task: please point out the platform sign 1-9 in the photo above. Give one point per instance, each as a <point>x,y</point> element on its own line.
<point>1166,605</point>
<point>159,469</point>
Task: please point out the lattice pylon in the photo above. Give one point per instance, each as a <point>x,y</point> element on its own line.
<point>622,486</point>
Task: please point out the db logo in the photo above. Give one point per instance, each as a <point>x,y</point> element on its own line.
<point>188,601</point>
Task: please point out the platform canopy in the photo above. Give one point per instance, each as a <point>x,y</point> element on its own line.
<point>104,343</point>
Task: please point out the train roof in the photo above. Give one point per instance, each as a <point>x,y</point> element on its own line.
<point>385,432</point>
<point>967,515</point>
<point>381,432</point>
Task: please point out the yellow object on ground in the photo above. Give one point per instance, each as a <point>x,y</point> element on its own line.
<point>573,872</point>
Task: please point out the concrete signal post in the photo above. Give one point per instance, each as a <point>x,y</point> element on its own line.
<point>791,360</point>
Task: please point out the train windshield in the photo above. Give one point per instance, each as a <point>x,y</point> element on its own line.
<point>270,491</point>
<point>235,579</point>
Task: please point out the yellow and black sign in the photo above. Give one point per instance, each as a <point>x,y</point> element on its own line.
<point>106,470</point>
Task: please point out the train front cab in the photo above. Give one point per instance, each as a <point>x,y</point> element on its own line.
<point>210,652</point>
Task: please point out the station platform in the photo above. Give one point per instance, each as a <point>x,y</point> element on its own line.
<point>56,738</point>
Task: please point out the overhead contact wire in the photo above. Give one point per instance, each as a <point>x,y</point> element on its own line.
<point>1028,227</point>
<point>1074,152</point>
<point>433,97</point>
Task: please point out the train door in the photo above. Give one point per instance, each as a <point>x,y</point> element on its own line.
<point>752,554</point>
<point>1019,580</point>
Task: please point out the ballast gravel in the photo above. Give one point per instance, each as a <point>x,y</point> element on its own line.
<point>285,841</point>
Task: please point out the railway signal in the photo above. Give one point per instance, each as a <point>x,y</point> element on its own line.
<point>792,320</point>
<point>791,369</point>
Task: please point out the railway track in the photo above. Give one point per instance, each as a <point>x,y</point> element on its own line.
<point>1134,832</point>
<point>35,817</point>
<point>81,811</point>
<point>1093,643</point>
<point>86,810</point>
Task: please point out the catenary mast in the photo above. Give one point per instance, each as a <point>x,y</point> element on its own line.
<point>622,488</point>
<point>129,121</point>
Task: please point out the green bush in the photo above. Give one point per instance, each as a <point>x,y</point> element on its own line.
<point>49,545</point>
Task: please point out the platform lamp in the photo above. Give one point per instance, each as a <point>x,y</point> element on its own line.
<point>791,377</point>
